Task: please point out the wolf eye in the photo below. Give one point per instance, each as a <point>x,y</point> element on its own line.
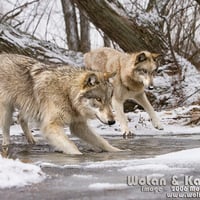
<point>98,99</point>
<point>144,71</point>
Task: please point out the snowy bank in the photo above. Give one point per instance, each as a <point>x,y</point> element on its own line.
<point>14,173</point>
<point>180,160</point>
<point>174,121</point>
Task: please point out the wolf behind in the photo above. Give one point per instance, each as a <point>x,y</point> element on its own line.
<point>54,96</point>
<point>134,73</point>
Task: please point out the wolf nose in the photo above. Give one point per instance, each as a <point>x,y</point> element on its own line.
<point>151,87</point>
<point>111,122</point>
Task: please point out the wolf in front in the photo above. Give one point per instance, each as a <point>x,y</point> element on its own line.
<point>134,73</point>
<point>54,96</point>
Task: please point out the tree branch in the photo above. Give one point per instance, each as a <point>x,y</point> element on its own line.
<point>14,41</point>
<point>19,9</point>
<point>127,33</point>
<point>198,1</point>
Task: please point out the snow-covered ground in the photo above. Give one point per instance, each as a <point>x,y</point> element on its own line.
<point>14,173</point>
<point>174,122</point>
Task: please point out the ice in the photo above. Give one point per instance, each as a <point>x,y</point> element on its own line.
<point>82,176</point>
<point>184,160</point>
<point>107,186</point>
<point>155,167</point>
<point>185,156</point>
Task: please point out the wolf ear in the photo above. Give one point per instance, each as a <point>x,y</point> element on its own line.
<point>108,75</point>
<point>90,80</point>
<point>140,58</point>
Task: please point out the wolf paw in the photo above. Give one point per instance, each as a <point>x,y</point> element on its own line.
<point>115,149</point>
<point>30,139</point>
<point>157,125</point>
<point>128,134</point>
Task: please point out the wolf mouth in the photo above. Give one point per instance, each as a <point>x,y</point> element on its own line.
<point>101,120</point>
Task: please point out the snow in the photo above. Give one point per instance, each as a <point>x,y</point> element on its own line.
<point>14,173</point>
<point>83,176</point>
<point>157,167</point>
<point>181,160</point>
<point>181,157</point>
<point>191,79</point>
<point>177,90</point>
<point>140,124</point>
<point>176,161</point>
<point>107,186</point>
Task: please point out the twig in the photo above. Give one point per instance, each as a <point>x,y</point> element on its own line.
<point>20,8</point>
<point>179,117</point>
<point>169,38</point>
<point>189,96</point>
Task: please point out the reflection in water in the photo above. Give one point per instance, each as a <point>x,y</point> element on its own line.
<point>135,148</point>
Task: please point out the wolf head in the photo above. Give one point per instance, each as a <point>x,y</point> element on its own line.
<point>96,96</point>
<point>143,67</point>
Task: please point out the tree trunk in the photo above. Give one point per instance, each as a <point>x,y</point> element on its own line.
<point>128,34</point>
<point>85,33</point>
<point>15,41</point>
<point>106,41</point>
<point>198,1</point>
<point>70,24</point>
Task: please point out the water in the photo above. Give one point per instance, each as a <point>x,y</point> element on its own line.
<point>74,177</point>
<point>137,147</point>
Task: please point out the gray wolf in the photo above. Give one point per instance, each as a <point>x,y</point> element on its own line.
<point>134,73</point>
<point>54,96</point>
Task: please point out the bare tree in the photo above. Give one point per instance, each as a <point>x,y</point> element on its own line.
<point>106,41</point>
<point>198,1</point>
<point>70,24</point>
<point>183,26</point>
<point>119,27</point>
<point>74,41</point>
<point>85,33</point>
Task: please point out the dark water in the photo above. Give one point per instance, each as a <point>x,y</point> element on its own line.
<point>134,147</point>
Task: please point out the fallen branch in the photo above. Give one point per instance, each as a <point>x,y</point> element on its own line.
<point>13,40</point>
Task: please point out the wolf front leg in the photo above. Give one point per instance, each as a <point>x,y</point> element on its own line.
<point>56,136</point>
<point>144,102</point>
<point>118,107</point>
<point>82,130</point>
<point>5,122</point>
